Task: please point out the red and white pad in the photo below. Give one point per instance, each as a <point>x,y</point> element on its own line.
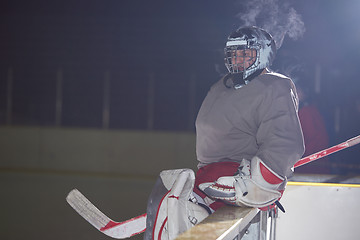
<point>174,213</point>
<point>254,186</point>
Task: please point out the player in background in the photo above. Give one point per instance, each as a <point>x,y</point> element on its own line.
<point>314,130</point>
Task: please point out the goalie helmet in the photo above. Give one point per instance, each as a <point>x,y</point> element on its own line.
<point>250,38</point>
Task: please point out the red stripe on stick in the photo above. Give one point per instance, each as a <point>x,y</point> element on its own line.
<point>112,224</point>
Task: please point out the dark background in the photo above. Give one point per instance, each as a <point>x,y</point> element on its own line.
<point>160,57</point>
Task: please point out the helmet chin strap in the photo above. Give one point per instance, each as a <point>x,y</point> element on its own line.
<point>237,79</point>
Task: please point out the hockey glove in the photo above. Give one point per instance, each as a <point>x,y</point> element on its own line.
<point>254,185</point>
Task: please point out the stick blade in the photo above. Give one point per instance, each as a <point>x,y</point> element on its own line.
<point>86,209</point>
<point>103,223</point>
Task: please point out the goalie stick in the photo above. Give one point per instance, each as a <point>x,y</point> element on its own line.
<point>101,222</point>
<point>349,143</point>
<point>137,225</point>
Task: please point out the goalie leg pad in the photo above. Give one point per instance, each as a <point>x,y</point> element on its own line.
<point>172,208</point>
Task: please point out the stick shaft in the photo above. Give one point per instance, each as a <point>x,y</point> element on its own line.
<point>349,143</point>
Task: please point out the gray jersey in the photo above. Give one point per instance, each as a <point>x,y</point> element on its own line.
<point>259,119</point>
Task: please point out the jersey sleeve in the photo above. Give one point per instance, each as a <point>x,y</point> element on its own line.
<point>279,135</point>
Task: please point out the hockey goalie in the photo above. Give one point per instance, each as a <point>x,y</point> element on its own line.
<point>248,139</point>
